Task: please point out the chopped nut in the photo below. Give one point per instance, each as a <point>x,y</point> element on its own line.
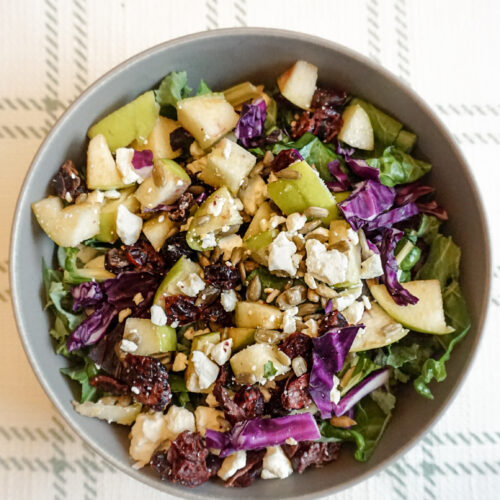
<point>326,291</point>
<point>264,336</point>
<point>312,296</point>
<point>138,298</point>
<point>316,212</point>
<point>124,313</point>
<point>204,261</point>
<point>268,159</point>
<point>299,366</point>
<point>272,295</point>
<point>321,234</point>
<point>292,297</point>
<point>196,189</point>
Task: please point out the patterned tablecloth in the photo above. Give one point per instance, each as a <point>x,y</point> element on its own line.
<point>51,50</point>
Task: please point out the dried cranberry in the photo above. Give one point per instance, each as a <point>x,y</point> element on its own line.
<point>213,464</point>
<point>185,462</point>
<point>296,396</point>
<point>144,257</point>
<point>307,453</point>
<point>148,381</point>
<point>245,477</point>
<point>274,407</point>
<point>216,313</point>
<point>175,247</point>
<point>181,309</point>
<point>109,384</point>
<point>116,261</point>
<point>68,183</point>
<point>182,208</point>
<point>332,320</point>
<point>225,375</point>
<point>180,138</point>
<point>222,275</point>
<point>297,344</point>
<point>248,403</point>
<point>328,98</point>
<point>285,158</point>
<point>323,123</point>
<point>265,140</point>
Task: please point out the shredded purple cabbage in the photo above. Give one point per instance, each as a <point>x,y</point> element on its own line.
<point>329,352</point>
<point>92,328</point>
<point>408,193</point>
<point>251,122</point>
<point>262,432</point>
<point>401,296</point>
<point>142,159</point>
<point>341,182</point>
<point>86,294</point>
<point>432,208</point>
<point>391,217</point>
<point>358,166</point>
<point>369,199</point>
<point>329,306</point>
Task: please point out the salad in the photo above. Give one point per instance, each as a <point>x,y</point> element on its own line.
<point>248,277</point>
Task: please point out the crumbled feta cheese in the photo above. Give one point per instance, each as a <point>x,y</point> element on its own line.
<point>205,370</point>
<point>192,285</point>
<point>335,392</point>
<point>124,165</point>
<point>354,312</point>
<point>295,222</point>
<point>99,196</point>
<point>371,267</point>
<point>228,300</point>
<point>180,362</point>
<point>148,431</point>
<point>112,194</point>
<point>275,464</point>
<point>178,420</point>
<point>208,240</point>
<point>210,418</point>
<point>128,225</point>
<point>232,464</point>
<point>352,237</point>
<point>275,221</point>
<point>289,320</point>
<point>221,352</point>
<point>325,265</point>
<point>366,302</point>
<point>346,297</point>
<point>128,346</point>
<point>291,441</point>
<point>158,316</point>
<point>281,251</point>
<point>215,208</point>
<point>229,243</point>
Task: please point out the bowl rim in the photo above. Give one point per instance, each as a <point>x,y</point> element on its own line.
<point>228,33</point>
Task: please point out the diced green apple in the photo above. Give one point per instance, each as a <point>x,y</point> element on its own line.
<point>426,316</point>
<point>405,141</point>
<point>158,140</point>
<point>218,216</point>
<point>101,167</point>
<point>264,213</point>
<point>207,338</point>
<point>156,230</point>
<point>179,272</point>
<point>69,226</point>
<point>253,194</point>
<point>298,83</point>
<point>149,338</point>
<point>207,117</point>
<point>261,240</point>
<point>109,409</point>
<point>134,121</point>
<point>379,330</point>
<point>356,129</point>
<point>242,337</point>
<point>227,165</point>
<point>255,315</point>
<point>243,92</point>
<point>308,190</point>
<point>166,185</point>
<point>95,269</point>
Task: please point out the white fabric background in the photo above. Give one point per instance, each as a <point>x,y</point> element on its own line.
<point>50,50</point>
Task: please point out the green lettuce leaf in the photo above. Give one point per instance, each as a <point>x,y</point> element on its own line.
<point>443,262</point>
<point>397,167</point>
<point>428,228</point>
<point>82,373</point>
<point>203,88</point>
<point>371,422</point>
<point>172,88</point>
<point>363,366</point>
<point>269,370</point>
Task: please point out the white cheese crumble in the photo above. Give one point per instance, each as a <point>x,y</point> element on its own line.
<point>128,225</point>
<point>215,208</point>
<point>180,362</point>
<point>148,431</point>
<point>221,352</point>
<point>206,371</point>
<point>325,265</point>
<point>276,464</point>
<point>289,320</point>
<point>229,243</point>
<point>354,312</point>
<point>210,418</point>
<point>178,420</point>
<point>228,300</point>
<point>371,267</point>
<point>335,392</point>
<point>208,240</point>
<point>128,346</point>
<point>192,285</point>
<point>124,165</point>
<point>281,251</point>
<point>158,316</point>
<point>112,194</point>
<point>232,464</point>
<point>366,302</point>
<point>295,222</point>
<point>275,221</point>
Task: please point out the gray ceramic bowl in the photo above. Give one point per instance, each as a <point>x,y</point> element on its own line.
<point>223,58</point>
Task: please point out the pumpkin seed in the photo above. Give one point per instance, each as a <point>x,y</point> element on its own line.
<point>254,289</point>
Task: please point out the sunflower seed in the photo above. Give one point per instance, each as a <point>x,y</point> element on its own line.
<point>321,234</point>
<point>264,336</point>
<point>341,246</point>
<point>288,174</point>
<point>292,297</point>
<point>254,289</point>
<point>268,159</point>
<point>343,421</point>
<point>299,366</point>
<point>326,291</point>
<point>310,226</point>
<point>316,212</point>
<point>236,255</point>
<point>204,261</point>
<point>272,295</point>
<point>307,308</point>
<point>243,273</point>
<point>312,296</point>
<point>196,189</point>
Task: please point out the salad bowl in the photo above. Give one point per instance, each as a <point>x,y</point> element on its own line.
<point>223,58</point>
